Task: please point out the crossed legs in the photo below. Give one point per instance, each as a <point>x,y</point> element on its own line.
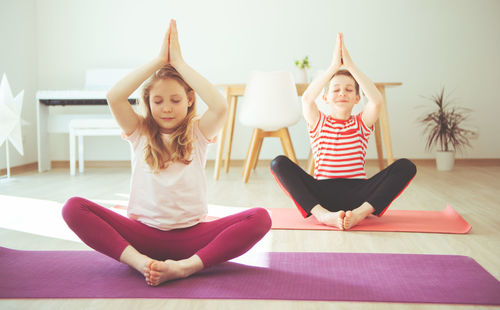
<point>165,255</point>
<point>342,203</point>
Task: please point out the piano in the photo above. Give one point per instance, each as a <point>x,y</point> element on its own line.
<point>97,82</point>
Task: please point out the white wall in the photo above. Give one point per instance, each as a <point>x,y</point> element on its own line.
<point>18,60</point>
<point>425,44</point>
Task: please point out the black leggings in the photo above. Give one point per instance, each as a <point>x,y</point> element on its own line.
<point>342,194</point>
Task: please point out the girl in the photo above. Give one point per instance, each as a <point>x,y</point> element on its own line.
<point>164,237</point>
<point>339,143</point>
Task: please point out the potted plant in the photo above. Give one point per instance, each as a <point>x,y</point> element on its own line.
<point>302,65</point>
<point>445,130</point>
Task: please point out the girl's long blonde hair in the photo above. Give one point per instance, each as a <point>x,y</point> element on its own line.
<point>159,152</point>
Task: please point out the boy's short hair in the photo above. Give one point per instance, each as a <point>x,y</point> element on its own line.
<point>346,73</point>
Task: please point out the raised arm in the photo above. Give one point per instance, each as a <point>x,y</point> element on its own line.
<point>309,108</point>
<point>118,95</point>
<point>375,100</point>
<point>213,119</point>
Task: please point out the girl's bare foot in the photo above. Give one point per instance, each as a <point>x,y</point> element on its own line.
<point>157,272</point>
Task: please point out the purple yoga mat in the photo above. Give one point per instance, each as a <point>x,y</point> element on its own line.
<point>277,275</point>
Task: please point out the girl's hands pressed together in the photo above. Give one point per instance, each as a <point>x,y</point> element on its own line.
<point>174,51</point>
<point>170,51</point>
<point>164,50</point>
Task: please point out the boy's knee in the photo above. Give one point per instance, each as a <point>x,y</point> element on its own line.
<point>407,165</point>
<point>278,162</point>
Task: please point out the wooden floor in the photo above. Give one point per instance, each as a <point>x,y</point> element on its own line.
<point>473,190</point>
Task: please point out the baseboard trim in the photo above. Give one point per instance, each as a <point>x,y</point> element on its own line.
<point>20,169</point>
<point>238,162</point>
<point>93,163</point>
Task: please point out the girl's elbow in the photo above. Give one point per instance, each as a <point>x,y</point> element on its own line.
<point>111,97</point>
<point>222,109</point>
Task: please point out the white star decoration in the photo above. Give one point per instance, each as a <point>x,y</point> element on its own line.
<point>10,116</point>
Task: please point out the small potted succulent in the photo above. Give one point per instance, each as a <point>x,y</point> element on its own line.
<point>446,130</point>
<point>302,65</point>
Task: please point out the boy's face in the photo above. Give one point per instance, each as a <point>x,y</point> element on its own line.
<point>169,104</point>
<point>342,92</point>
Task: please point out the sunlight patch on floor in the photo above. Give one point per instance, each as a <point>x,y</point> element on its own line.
<point>43,217</point>
<point>35,216</point>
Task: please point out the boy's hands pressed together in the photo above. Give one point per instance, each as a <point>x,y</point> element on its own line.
<point>337,53</point>
<point>346,58</point>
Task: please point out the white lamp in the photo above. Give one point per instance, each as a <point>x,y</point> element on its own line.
<point>270,106</point>
<point>10,119</point>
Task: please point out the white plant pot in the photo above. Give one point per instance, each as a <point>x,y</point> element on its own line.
<point>445,160</point>
<point>301,76</point>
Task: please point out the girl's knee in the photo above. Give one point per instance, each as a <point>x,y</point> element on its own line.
<point>262,220</point>
<point>72,207</point>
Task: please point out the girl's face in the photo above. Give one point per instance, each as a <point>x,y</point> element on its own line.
<point>342,92</point>
<point>169,104</point>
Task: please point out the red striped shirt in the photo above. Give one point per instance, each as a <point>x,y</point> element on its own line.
<point>339,147</point>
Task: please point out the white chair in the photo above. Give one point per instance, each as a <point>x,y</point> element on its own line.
<point>88,127</point>
<point>270,106</point>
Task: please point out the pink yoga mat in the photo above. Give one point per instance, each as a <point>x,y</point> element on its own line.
<point>447,221</point>
<point>449,279</point>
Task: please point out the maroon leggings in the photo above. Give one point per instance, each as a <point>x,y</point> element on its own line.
<point>214,242</point>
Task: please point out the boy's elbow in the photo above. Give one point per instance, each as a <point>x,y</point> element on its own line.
<point>306,100</point>
<point>378,101</point>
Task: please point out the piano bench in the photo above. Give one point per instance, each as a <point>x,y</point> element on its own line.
<point>88,127</point>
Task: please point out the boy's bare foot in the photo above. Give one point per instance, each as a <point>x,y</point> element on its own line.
<point>335,219</point>
<point>352,218</point>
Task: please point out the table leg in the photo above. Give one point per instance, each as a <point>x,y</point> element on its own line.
<point>384,122</point>
<point>42,116</point>
<point>232,116</point>
<point>378,141</point>
<point>72,152</point>
<point>221,140</point>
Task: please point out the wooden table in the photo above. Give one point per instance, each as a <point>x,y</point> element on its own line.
<point>233,91</point>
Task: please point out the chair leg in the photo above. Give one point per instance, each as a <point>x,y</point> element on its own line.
<point>256,136</point>
<point>286,143</point>
<point>259,147</point>
<point>248,154</point>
